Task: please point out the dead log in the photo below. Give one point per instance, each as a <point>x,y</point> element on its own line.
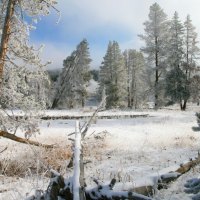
<point>23,140</point>
<point>106,192</point>
<point>166,178</point>
<point>147,190</point>
<point>56,184</point>
<point>187,166</point>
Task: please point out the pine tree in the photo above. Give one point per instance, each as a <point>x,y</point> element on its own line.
<point>183,52</point>
<point>191,49</point>
<point>191,55</point>
<point>195,88</point>
<point>136,78</point>
<point>175,86</point>
<point>113,76</point>
<point>156,39</point>
<point>71,87</point>
<point>176,79</point>
<point>175,47</point>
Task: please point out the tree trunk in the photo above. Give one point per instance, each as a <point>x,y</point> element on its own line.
<point>129,101</point>
<point>5,36</point>
<point>156,75</point>
<point>181,106</point>
<point>184,105</point>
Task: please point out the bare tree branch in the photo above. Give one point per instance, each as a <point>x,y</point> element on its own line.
<point>23,140</point>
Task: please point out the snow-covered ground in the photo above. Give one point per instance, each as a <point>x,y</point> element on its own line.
<point>127,149</point>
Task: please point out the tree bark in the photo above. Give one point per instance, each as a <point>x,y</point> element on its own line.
<point>23,140</point>
<point>6,35</point>
<point>156,74</point>
<point>184,105</point>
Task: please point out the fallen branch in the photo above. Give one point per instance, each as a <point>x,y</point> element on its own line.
<point>85,128</point>
<point>23,140</point>
<point>3,149</point>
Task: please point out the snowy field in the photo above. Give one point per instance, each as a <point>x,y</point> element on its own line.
<point>131,150</point>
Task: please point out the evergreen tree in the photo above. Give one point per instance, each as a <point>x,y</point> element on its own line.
<point>175,86</point>
<point>136,78</point>
<point>191,49</point>
<point>191,55</point>
<point>113,76</point>
<point>176,79</point>
<point>183,52</point>
<point>74,77</point>
<point>175,47</point>
<point>156,39</point>
<point>195,88</point>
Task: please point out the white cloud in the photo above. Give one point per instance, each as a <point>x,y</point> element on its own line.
<point>80,18</point>
<point>55,53</point>
<point>129,14</point>
<point>89,14</point>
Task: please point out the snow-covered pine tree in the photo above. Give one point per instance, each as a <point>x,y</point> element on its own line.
<point>156,40</point>
<point>175,86</point>
<point>20,64</point>
<point>195,89</point>
<point>113,77</point>
<point>71,87</point>
<point>190,48</point>
<point>176,42</point>
<point>136,78</point>
<point>191,56</point>
<point>176,78</point>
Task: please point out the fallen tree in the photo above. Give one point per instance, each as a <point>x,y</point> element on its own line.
<point>75,187</point>
<point>23,140</point>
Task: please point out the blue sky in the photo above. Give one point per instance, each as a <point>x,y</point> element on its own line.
<point>100,21</point>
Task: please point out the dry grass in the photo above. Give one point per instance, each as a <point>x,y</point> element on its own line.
<point>34,160</point>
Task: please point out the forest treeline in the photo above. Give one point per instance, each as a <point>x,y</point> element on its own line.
<point>164,71</point>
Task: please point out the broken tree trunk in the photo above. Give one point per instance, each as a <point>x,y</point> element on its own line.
<point>78,176</point>
<point>23,140</point>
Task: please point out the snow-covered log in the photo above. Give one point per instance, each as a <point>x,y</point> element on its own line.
<point>56,185</point>
<point>106,192</point>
